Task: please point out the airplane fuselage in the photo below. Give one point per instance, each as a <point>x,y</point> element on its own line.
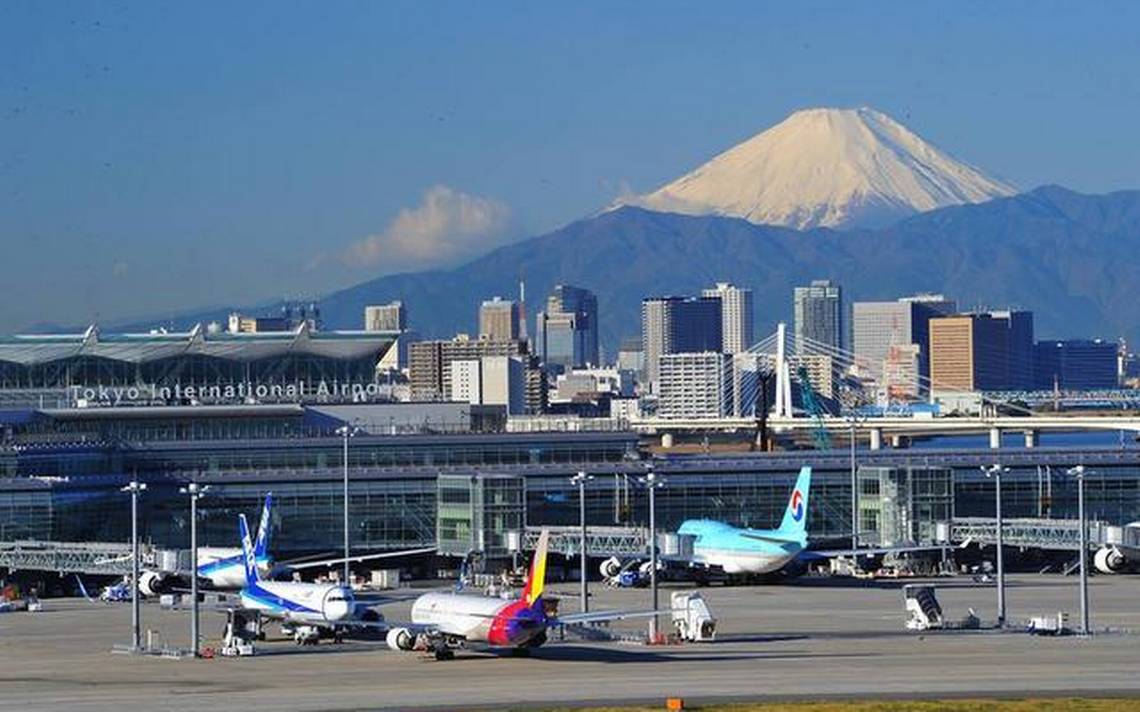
<point>224,568</point>
<point>736,550</point>
<point>483,619</point>
<point>317,604</point>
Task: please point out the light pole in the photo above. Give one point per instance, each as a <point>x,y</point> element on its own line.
<point>1079,473</point>
<point>652,482</point>
<point>346,431</point>
<point>852,421</point>
<point>996,471</point>
<point>135,488</point>
<point>581,479</point>
<point>196,492</point>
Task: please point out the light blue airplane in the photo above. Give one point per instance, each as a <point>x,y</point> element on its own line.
<point>738,550</point>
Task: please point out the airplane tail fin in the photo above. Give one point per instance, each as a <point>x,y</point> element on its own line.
<point>535,582</point>
<point>794,524</point>
<point>251,575</point>
<point>261,545</point>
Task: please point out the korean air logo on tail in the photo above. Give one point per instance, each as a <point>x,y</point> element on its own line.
<point>796,505</point>
<point>794,523</point>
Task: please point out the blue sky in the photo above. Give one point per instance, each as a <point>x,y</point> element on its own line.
<point>158,155</point>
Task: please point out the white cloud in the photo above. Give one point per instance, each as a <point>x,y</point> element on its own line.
<point>447,225</point>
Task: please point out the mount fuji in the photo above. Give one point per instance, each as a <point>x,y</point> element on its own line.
<point>837,168</point>
<point>910,218</point>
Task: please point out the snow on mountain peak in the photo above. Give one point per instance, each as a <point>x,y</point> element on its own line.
<point>826,167</point>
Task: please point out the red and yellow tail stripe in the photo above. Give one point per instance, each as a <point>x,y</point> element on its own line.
<point>537,578</point>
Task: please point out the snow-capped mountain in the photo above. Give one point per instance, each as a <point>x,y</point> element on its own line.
<point>830,168</point>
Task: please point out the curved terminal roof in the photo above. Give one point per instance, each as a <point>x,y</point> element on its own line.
<point>144,348</point>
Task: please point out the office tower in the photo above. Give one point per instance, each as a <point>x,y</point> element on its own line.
<point>386,317</point>
<point>566,331</point>
<point>678,325</point>
<point>894,338</point>
<point>490,380</point>
<point>969,352</point>
<point>1076,364</point>
<point>695,385</point>
<point>819,314</point>
<point>631,357</point>
<point>430,362</point>
<point>499,320</point>
<point>1021,351</point>
<point>736,316</point>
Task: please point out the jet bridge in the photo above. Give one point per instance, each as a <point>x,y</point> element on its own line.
<point>93,558</point>
<point>1030,533</point>
<point>629,542</point>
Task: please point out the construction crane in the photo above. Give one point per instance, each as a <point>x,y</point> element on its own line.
<point>811,405</point>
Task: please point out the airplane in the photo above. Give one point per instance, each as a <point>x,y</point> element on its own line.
<point>223,568</point>
<point>442,622</point>
<point>219,568</point>
<point>719,547</point>
<point>753,551</point>
<point>306,609</point>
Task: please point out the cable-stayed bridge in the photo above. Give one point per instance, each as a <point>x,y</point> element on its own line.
<point>840,392</point>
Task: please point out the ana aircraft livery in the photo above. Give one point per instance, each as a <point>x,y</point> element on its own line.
<point>308,603</point>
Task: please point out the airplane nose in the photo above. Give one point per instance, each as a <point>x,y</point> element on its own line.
<point>336,607</point>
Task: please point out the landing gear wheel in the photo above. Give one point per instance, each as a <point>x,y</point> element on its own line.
<point>444,654</point>
<point>520,652</point>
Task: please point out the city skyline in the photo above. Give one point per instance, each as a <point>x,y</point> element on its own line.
<point>118,173</point>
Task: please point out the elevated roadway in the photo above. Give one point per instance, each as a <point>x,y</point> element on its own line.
<point>889,426</point>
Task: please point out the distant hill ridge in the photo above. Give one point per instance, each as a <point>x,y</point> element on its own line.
<point>1071,258</point>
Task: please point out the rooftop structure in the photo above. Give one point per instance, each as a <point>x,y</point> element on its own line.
<point>160,362</point>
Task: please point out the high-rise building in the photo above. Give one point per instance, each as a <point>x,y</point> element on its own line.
<point>386,317</point>
<point>430,362</point>
<point>736,316</point>
<point>695,385</point>
<point>892,339</point>
<point>678,325</point>
<point>969,352</point>
<point>490,380</point>
<point>818,311</point>
<point>1019,325</point>
<point>566,331</point>
<point>1077,364</point>
<point>499,320</point>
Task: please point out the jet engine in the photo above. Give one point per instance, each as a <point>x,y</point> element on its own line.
<point>155,583</point>
<point>610,568</point>
<point>1109,560</point>
<point>401,639</point>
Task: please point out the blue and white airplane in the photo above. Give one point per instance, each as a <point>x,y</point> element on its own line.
<point>316,604</point>
<point>219,568</point>
<point>223,569</point>
<point>738,550</point>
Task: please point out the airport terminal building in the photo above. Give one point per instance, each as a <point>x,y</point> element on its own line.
<point>82,415</point>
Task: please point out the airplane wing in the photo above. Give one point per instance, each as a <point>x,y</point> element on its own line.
<point>603,617</point>
<point>769,539</point>
<point>326,563</point>
<point>871,551</point>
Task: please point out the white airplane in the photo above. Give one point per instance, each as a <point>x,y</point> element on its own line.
<point>306,608</point>
<point>223,568</point>
<point>444,621</point>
